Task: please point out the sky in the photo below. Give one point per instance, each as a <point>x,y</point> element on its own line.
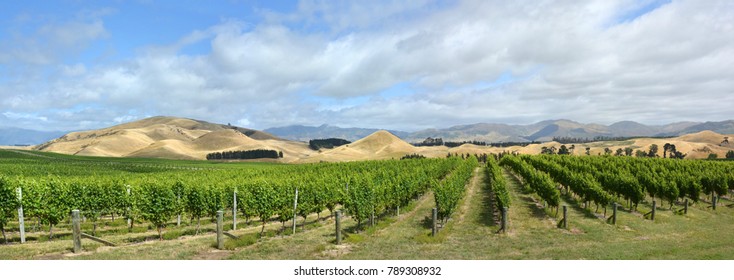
<point>408,65</point>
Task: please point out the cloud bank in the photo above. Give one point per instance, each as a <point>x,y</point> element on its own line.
<point>398,66</point>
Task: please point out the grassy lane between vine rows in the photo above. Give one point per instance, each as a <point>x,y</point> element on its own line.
<point>409,236</point>
<point>533,233</point>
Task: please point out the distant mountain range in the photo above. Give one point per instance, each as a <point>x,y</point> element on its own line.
<point>487,132</point>
<point>183,138</point>
<point>21,137</point>
<point>493,132</point>
<point>305,133</point>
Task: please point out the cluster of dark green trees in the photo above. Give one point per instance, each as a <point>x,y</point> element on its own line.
<point>251,154</point>
<point>413,156</point>
<point>328,143</point>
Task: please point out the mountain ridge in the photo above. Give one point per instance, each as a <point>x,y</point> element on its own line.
<point>182,138</point>
<point>542,131</point>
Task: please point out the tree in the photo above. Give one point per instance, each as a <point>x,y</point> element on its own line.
<point>666,147</point>
<point>628,151</point>
<point>563,150</point>
<point>640,153</point>
<point>548,151</point>
<point>730,154</point>
<point>677,155</point>
<point>607,151</point>
<point>588,151</point>
<point>619,152</point>
<point>653,151</point>
<point>713,156</point>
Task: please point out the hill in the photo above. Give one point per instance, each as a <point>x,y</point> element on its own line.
<point>496,132</point>
<point>169,137</point>
<point>378,145</point>
<point>181,138</point>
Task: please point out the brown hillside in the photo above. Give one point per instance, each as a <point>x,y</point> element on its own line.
<point>706,136</point>
<point>168,137</point>
<point>378,145</point>
<point>179,138</point>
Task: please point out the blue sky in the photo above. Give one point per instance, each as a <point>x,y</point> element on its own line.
<point>75,65</point>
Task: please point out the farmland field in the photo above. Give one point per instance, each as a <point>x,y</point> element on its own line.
<point>387,208</point>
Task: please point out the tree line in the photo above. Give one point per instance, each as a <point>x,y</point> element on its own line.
<point>250,154</point>
<point>328,143</point>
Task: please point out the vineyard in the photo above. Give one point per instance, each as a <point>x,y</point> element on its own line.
<point>168,209</point>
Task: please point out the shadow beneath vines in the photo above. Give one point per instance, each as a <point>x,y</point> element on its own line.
<point>576,205</point>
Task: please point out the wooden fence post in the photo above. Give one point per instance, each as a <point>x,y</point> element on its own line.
<point>372,217</point>
<point>295,207</point>
<point>220,237</point>
<point>338,227</point>
<point>76,231</point>
<point>129,222</point>
<point>685,207</point>
<point>504,219</point>
<point>614,213</point>
<point>652,215</point>
<point>434,215</point>
<point>21,221</point>
<point>565,217</point>
<point>713,201</point>
<point>178,217</point>
<point>234,209</point>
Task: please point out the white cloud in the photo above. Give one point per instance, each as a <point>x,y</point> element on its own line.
<point>588,61</point>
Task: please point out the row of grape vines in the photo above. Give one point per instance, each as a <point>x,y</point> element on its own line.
<point>538,181</point>
<point>604,180</point>
<point>448,193</point>
<point>497,183</point>
<point>361,188</point>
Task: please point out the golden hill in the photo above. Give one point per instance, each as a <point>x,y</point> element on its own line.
<point>695,146</point>
<point>180,138</point>
<point>169,137</point>
<point>378,145</point>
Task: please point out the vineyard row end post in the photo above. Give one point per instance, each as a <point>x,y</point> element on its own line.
<point>234,209</point>
<point>21,221</point>
<point>338,227</point>
<point>295,207</point>
<point>614,214</point>
<point>504,219</point>
<point>220,237</point>
<point>434,216</point>
<point>76,231</point>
